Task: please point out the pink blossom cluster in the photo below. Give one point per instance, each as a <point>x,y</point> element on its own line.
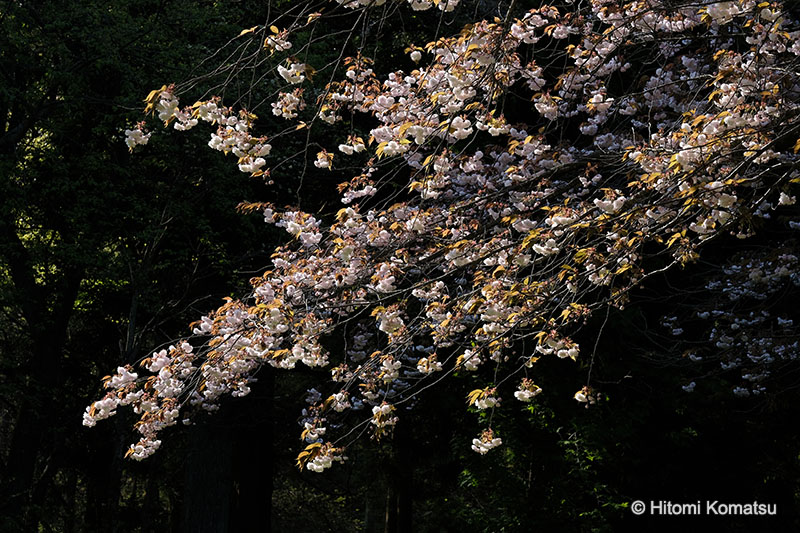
<point>511,232</point>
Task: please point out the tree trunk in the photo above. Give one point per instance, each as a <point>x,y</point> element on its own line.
<point>399,496</point>
<point>253,460</point>
<point>207,478</point>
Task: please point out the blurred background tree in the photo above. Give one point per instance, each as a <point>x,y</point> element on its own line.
<point>102,254</point>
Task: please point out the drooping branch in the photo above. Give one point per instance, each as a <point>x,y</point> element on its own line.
<point>469,230</point>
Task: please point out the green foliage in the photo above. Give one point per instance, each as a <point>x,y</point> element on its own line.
<point>103,254</point>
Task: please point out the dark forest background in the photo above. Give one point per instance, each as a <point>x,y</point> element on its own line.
<point>107,255</point>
